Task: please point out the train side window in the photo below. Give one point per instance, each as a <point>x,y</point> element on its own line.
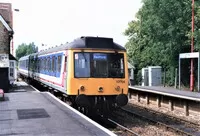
<point>43,64</point>
<point>49,66</point>
<point>53,63</point>
<point>49,62</point>
<point>59,63</point>
<point>46,63</point>
<point>40,65</point>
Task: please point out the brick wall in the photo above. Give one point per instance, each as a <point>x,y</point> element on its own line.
<point>4,40</point>
<point>6,12</point>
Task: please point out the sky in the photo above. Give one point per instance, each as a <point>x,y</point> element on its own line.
<point>55,22</point>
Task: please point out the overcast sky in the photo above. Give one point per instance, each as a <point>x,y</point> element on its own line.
<point>53,22</point>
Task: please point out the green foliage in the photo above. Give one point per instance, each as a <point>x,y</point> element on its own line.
<point>26,49</point>
<point>161,31</point>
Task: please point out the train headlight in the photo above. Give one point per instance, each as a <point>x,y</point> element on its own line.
<point>100,89</point>
<point>117,88</point>
<point>82,88</point>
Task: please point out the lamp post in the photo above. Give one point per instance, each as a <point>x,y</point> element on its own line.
<point>192,49</point>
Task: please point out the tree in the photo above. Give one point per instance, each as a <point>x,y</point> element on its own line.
<point>161,31</point>
<point>26,49</point>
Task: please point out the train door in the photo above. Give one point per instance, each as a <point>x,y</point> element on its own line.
<point>65,72</point>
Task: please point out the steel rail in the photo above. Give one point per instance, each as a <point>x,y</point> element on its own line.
<point>157,122</point>
<point>170,116</point>
<point>123,127</point>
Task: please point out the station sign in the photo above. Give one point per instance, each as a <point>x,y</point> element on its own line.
<point>189,55</point>
<point>4,60</point>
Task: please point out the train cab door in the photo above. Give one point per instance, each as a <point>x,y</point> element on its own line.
<point>65,72</point>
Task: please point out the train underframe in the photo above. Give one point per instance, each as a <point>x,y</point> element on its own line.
<point>99,104</point>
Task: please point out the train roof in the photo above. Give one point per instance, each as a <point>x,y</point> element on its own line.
<point>95,43</point>
<point>88,42</point>
<point>24,58</point>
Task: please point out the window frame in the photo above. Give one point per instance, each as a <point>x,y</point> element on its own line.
<point>90,59</point>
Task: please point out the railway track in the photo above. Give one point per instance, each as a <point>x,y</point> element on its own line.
<point>182,129</point>
<point>166,115</point>
<point>124,128</point>
<point>114,126</point>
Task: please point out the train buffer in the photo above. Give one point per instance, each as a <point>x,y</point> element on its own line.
<point>29,112</point>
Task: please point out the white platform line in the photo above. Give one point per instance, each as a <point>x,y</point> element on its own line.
<point>167,94</point>
<point>34,88</point>
<point>83,116</point>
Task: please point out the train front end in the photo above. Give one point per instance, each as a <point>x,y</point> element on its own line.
<point>99,76</point>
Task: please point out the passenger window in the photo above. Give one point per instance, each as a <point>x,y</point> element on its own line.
<point>49,66</point>
<point>53,63</point>
<point>59,63</point>
<point>45,64</point>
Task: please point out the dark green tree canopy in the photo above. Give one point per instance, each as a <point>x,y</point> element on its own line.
<point>26,49</point>
<point>161,31</point>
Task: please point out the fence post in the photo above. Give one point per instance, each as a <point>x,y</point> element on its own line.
<point>164,80</point>
<point>175,84</point>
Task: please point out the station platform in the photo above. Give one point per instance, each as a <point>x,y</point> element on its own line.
<point>167,91</point>
<point>28,112</point>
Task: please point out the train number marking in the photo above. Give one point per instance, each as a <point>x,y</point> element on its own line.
<point>120,81</point>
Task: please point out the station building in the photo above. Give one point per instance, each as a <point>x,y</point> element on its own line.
<point>7,60</point>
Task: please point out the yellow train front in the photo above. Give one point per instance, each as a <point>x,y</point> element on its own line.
<point>97,73</point>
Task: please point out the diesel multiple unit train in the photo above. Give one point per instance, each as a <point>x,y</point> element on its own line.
<point>91,71</point>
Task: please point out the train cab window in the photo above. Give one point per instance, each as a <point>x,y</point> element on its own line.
<point>107,65</point>
<point>99,65</point>
<point>82,65</point>
<point>116,66</point>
